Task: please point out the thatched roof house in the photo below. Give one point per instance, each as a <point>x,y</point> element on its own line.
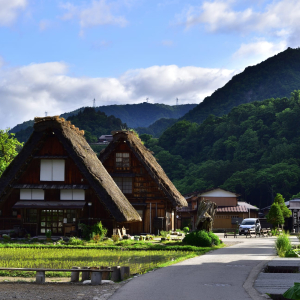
<point>50,134</point>
<point>146,158</point>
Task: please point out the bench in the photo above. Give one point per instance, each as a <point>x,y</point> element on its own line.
<point>117,273</point>
<point>229,234</point>
<point>250,233</point>
<point>266,232</point>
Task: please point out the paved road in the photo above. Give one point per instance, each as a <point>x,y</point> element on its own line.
<point>224,274</point>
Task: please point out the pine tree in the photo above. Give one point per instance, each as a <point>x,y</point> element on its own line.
<point>275,216</point>
<point>280,201</point>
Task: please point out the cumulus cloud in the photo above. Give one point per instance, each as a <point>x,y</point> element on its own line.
<point>96,14</point>
<point>220,16</point>
<point>258,51</point>
<point>9,10</point>
<point>29,91</point>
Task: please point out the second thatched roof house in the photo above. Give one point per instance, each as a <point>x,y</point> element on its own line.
<point>57,181</point>
<point>143,181</point>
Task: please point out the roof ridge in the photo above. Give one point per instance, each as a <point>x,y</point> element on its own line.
<point>39,121</point>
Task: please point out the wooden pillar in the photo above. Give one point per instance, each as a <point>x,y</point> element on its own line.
<point>172,221</point>
<point>115,275</point>
<point>40,277</point>
<point>298,220</point>
<point>85,275</point>
<point>75,275</point>
<point>125,273</point>
<point>96,278</point>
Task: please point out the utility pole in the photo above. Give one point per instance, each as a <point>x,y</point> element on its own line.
<point>94,103</point>
<point>46,114</point>
<point>176,101</point>
<point>147,100</point>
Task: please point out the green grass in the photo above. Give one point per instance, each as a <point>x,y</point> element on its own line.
<point>140,256</point>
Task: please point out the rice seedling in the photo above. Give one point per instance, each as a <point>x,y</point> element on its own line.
<point>139,261</point>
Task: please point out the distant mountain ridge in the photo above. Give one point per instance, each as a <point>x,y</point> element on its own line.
<point>134,115</point>
<point>275,77</point>
<point>145,114</point>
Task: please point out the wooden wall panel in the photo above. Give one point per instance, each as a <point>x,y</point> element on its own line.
<point>222,201</point>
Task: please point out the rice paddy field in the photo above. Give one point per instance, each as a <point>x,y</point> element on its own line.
<point>139,261</point>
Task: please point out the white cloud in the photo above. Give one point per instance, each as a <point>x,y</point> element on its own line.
<point>96,14</point>
<point>220,16</point>
<point>29,91</point>
<point>9,10</point>
<point>258,51</point>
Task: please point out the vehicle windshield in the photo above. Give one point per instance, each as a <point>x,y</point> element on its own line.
<point>248,222</point>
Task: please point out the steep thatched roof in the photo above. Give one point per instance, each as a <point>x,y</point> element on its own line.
<point>145,156</point>
<point>83,156</point>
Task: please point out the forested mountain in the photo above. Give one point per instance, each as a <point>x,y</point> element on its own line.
<point>254,151</point>
<point>157,128</point>
<point>94,123</point>
<point>144,114</point>
<point>276,77</point>
<point>134,115</point>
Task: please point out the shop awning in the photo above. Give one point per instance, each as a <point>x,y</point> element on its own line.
<point>50,204</point>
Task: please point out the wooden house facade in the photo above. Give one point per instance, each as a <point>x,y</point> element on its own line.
<point>143,181</point>
<point>228,213</point>
<point>57,182</point>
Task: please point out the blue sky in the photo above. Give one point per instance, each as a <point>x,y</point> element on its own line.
<point>56,56</point>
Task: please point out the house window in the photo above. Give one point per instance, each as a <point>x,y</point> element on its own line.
<point>32,194</point>
<point>124,184</point>
<point>122,161</point>
<point>52,170</point>
<point>72,195</point>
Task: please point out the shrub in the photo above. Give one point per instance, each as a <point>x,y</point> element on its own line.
<point>283,244</point>
<point>6,237</point>
<point>198,238</point>
<point>115,238</point>
<point>89,231</point>
<point>96,238</point>
<point>186,230</point>
<point>215,239</point>
<point>99,229</point>
<point>164,234</point>
<point>75,241</point>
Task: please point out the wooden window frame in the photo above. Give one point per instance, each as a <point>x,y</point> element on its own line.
<point>121,183</point>
<point>122,161</point>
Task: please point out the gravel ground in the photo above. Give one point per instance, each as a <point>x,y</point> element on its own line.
<point>54,291</point>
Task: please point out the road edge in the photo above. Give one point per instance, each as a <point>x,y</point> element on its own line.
<point>249,283</point>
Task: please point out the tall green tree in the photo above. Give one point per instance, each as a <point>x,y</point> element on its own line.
<point>9,147</point>
<point>280,201</point>
<point>275,216</point>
